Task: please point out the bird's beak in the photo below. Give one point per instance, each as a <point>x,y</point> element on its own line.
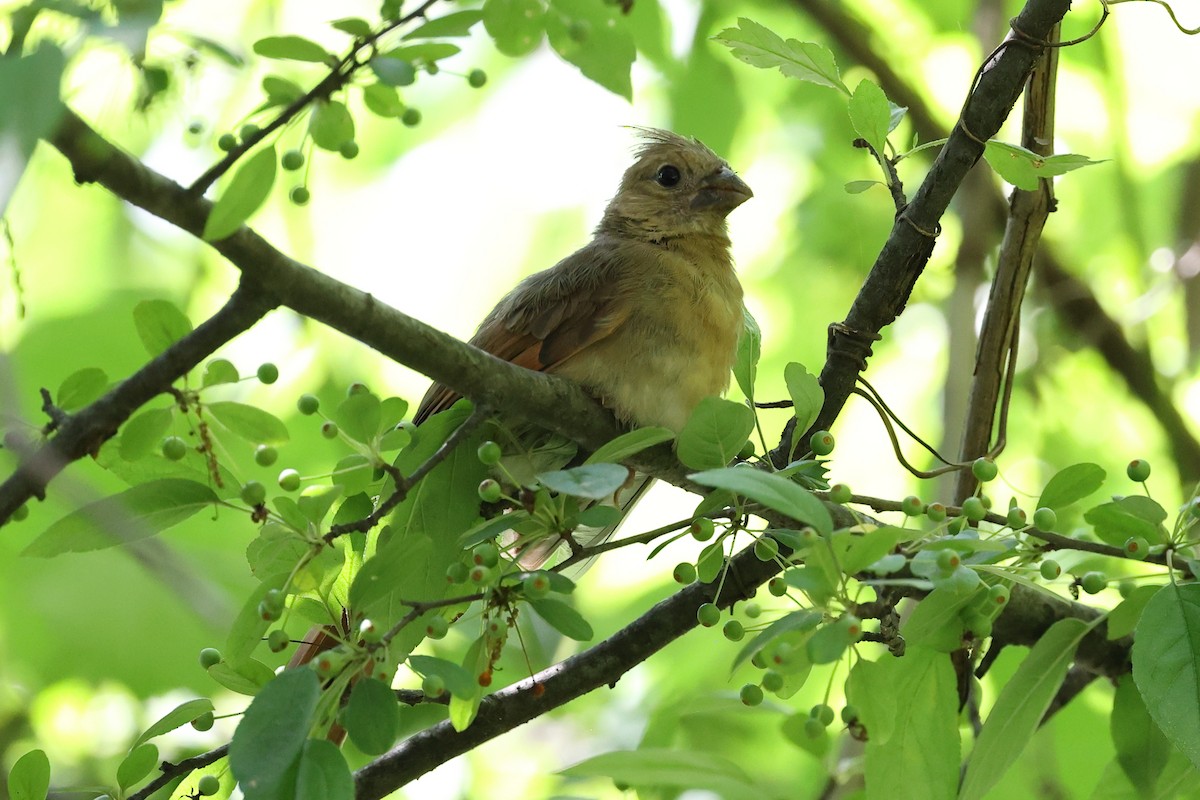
<point>722,191</point>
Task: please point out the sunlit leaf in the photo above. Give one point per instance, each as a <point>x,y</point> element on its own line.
<point>243,195</point>
<point>807,396</point>
<point>330,125</point>
<point>137,765</point>
<point>761,47</point>
<point>745,366</point>
<point>177,717</point>
<point>29,778</point>
<point>457,23</point>
<point>516,26</point>
<point>870,114</point>
<point>1022,168</point>
<point>80,388</point>
<point>293,48</point>
<point>249,422</point>
<point>605,53</point>
<point>715,433</point>
<point>774,492</point>
<point>1070,485</point>
<point>160,324</point>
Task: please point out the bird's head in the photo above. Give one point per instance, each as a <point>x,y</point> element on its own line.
<point>677,187</point>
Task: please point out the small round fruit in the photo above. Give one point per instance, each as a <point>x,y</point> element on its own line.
<point>984,469</point>
<point>747,452</point>
<point>437,628</point>
<point>766,549</point>
<point>210,657</point>
<point>369,632</point>
<point>268,613</point>
<point>300,195</point>
<point>998,595</point>
<point>1049,569</point>
<point>480,574</point>
<point>476,78</point>
<point>489,453</point>
<point>822,713</point>
<point>777,587</point>
<point>329,429</point>
<point>253,493</point>
<point>813,728</point>
<point>411,117</point>
<point>489,490</point>
<point>752,610</point>
<point>772,681</point>
<point>708,615</point>
<point>936,512</point>
<point>978,624</point>
<point>268,373</point>
<point>458,572</point>
<point>840,493</point>
<point>204,722</point>
<point>348,150</point>
<point>358,387</point>
<point>948,560</point>
<point>1045,519</point>
<point>208,785</point>
<point>758,660</point>
<point>1094,582</point>
<point>1138,470</point>
<point>852,625</point>
<point>1016,518</point>
<point>289,480</point>
<point>433,686</point>
<point>308,404</point>
<point>486,554</point>
<point>1136,547</point>
<point>195,127</point>
<point>751,695</point>
<point>912,506</point>
<point>22,513</point>
<point>821,443</point>
<point>536,586</point>
<point>277,640</point>
<point>265,455</point>
<point>849,714</point>
<point>292,160</point>
<point>174,448</point>
<point>702,529</point>
<point>733,631</point>
<point>248,131</point>
<point>684,573</point>
<point>227,141</point>
<point>973,509</point>
<point>274,599</point>
<point>432,68</point>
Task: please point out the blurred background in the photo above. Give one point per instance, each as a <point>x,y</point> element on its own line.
<point>440,219</point>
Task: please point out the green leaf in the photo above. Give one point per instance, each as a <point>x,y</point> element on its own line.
<point>592,481</point>
<point>315,501</point>
<point>372,716</point>
<point>858,187</point>
<point>291,48</point>
<point>160,324</point>
<point>1130,516</point>
<point>909,706</point>
<point>605,55</point>
<point>425,52</point>
<point>749,348</point>
<point>242,196</point>
<point>393,71</point>
<point>137,765</point>
<point>1142,750</point>
<point>219,371</point>
<point>1166,664</point>
<point>1022,168</point>
<point>516,26</point>
<point>867,548</point>
<point>246,634</point>
<point>353,473</point>
<point>458,23</point>
<point>935,622</point>
<point>265,752</point>
<point>281,91</point>
<point>715,433</point>
<point>563,618</point>
<point>249,422</point>
<point>657,768</point>
<point>600,516</point>
<point>133,514</point>
<point>359,416</point>
<point>80,388</point>
<point>802,620</point>
<point>1124,618</point>
<point>323,773</point>
<point>1021,705</point>
<point>276,549</point>
<point>1070,485</point>
<point>629,444</point>
<point>143,432</point>
<point>772,491</point>
<point>355,26</point>
<point>331,125</point>
<point>489,529</point>
<point>246,677</point>
<point>760,47</point>
<point>382,100</point>
<point>458,680</point>
<point>870,114</point>
<point>807,396</point>
<point>177,717</point>
<point>29,778</point>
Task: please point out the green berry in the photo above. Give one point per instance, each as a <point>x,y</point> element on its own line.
<point>22,513</point>
<point>1138,470</point>
<point>984,469</point>
<point>274,599</point>
<point>208,785</point>
<point>292,160</point>
<point>174,448</point>
<point>766,548</point>
<point>1045,519</point>
<point>204,722</point>
<point>195,127</point>
<point>702,529</point>
<point>437,628</point>
<point>849,714</point>
<point>912,506</point>
<point>777,586</point>
<point>253,493</point>
<point>823,714</point>
<point>852,625</point>
<point>936,512</point>
<point>248,131</point>
<point>411,117</point>
<point>1016,518</point>
<point>227,141</point>
<point>813,728</point>
<point>489,491</point>
<point>489,453</point>
<point>300,195</point>
<point>210,657</point>
<point>358,387</point>
<point>839,493</point>
<point>821,443</point>
<point>998,595</point>
<point>747,452</point>
<point>476,78</point>
<point>308,404</point>
<point>277,640</point>
<point>289,480</point>
<point>348,149</point>
<point>758,660</point>
<point>369,632</point>
<point>268,373</point>
<point>1094,582</point>
<point>708,615</point>
<point>1137,548</point>
<point>265,455</point>
<point>486,554</point>
<point>432,68</point>
<point>751,695</point>
<point>1050,569</point>
<point>733,631</point>
<point>536,586</point>
<point>433,686</point>
<point>948,560</point>
<point>973,509</point>
<point>268,613</point>
<point>772,681</point>
<point>752,610</point>
<point>1126,587</point>
<point>480,574</point>
<point>684,573</point>
<point>329,429</point>
<point>457,572</point>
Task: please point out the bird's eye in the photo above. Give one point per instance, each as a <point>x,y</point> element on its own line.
<point>667,176</point>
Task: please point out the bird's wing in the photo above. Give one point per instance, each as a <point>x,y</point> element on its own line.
<point>550,317</point>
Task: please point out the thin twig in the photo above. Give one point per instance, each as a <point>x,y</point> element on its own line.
<point>171,771</point>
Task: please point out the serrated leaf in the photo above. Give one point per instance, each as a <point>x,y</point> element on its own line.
<point>291,48</point>
<point>605,55</point>
<point>1130,516</point>
<point>330,125</point>
<point>29,778</point>
<point>629,444</point>
<point>458,23</point>
<point>870,114</point>
<point>355,26</point>
<point>807,396</point>
<point>246,677</point>
<point>760,47</point>
<point>249,422</point>
<point>1166,664</point>
<point>774,492</point>
<point>137,765</point>
<point>563,618</point>
<point>133,514</point>
<point>160,324</point>
<point>749,348</point>
<point>277,549</point>
<point>1020,707</point>
<point>655,767</point>
<point>80,388</point>
<point>281,91</point>
<point>1070,485</point>
<point>177,717</point>
<point>516,26</point>
<point>372,716</point>
<point>714,434</point>
<point>315,501</point>
<point>242,196</point>
<point>267,744</point>
<point>382,100</point>
<point>591,481</point>
<point>143,432</point>
<point>393,71</point>
<point>1023,168</point>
